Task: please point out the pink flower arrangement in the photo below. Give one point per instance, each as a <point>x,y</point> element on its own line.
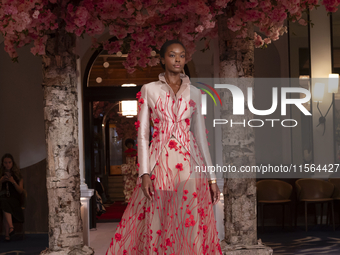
<point>145,25</point>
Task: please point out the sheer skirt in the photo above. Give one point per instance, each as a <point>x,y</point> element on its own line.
<point>179,219</point>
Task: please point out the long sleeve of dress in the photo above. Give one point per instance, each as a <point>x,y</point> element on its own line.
<point>143,132</point>
<point>200,135</point>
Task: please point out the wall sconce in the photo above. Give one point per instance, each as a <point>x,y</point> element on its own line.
<point>128,107</point>
<point>318,94</point>
<point>333,83</point>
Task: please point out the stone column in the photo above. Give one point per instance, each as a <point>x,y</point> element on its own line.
<point>236,57</point>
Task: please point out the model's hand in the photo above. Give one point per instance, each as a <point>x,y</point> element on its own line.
<point>215,193</point>
<point>147,187</point>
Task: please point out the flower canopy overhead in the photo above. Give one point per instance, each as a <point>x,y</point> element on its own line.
<point>141,27</point>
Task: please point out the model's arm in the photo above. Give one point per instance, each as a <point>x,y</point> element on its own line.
<point>200,134</point>
<point>143,133</point>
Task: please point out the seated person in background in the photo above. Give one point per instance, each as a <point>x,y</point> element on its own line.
<point>129,169</point>
<point>100,189</point>
<point>12,185</point>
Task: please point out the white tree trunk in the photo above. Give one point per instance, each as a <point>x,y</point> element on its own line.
<point>237,61</point>
<point>61,131</point>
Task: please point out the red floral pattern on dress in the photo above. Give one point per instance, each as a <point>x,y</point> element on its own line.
<point>175,220</point>
<point>179,166</point>
<point>172,144</point>
<point>138,95</point>
<point>137,124</point>
<point>187,121</point>
<point>155,133</point>
<point>118,236</point>
<point>141,101</point>
<point>192,103</point>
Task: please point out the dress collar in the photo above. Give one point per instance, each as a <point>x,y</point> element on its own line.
<point>184,85</point>
<point>184,77</point>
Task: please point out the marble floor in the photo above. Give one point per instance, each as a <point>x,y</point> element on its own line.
<point>100,237</point>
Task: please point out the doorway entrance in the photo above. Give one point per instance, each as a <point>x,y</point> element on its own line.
<point>106,85</point>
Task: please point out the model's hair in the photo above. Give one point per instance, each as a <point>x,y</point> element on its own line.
<point>165,47</point>
<point>14,170</point>
<point>129,140</point>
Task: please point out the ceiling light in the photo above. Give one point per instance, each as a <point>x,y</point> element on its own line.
<point>106,64</point>
<point>128,107</point>
<point>129,85</point>
<point>99,80</point>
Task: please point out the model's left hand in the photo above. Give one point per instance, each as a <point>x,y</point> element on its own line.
<point>215,193</point>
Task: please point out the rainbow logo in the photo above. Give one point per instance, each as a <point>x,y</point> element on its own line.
<point>208,92</point>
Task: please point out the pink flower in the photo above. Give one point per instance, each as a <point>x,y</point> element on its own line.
<point>199,29</point>
<point>82,16</point>
<point>186,191</point>
<point>36,14</point>
<point>156,121</point>
<point>159,232</point>
<point>302,22</point>
<point>141,101</point>
<point>258,40</point>
<point>185,198</point>
<point>187,121</point>
<point>267,41</point>
<point>152,178</point>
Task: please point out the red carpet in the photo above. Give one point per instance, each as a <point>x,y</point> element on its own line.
<point>114,211</point>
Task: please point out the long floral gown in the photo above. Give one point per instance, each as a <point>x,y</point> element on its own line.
<point>179,219</point>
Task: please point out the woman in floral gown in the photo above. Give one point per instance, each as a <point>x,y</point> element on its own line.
<point>170,211</point>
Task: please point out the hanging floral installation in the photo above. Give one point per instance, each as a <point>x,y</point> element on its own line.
<point>141,27</point>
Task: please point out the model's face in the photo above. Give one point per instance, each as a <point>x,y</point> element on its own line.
<point>174,58</point>
<point>8,163</point>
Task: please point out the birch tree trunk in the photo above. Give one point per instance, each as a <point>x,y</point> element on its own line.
<point>237,61</point>
<point>61,131</point>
